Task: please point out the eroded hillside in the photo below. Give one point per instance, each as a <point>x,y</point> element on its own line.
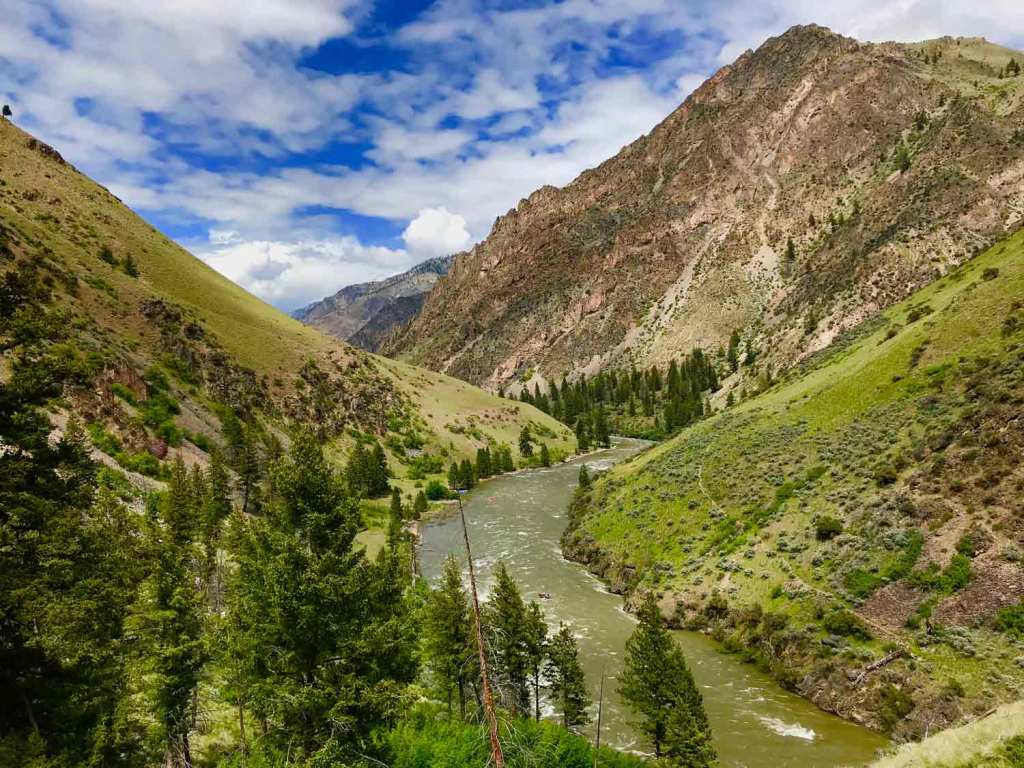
<point>161,351</point>
<point>884,165</point>
<point>870,502</point>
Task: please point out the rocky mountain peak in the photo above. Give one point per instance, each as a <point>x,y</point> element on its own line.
<point>884,164</point>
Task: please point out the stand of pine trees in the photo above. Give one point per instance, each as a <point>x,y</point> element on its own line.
<point>637,403</point>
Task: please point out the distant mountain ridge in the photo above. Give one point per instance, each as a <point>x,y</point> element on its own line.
<point>366,313</point>
<point>885,165</point>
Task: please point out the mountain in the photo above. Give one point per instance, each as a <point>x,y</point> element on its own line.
<point>159,354</point>
<point>886,165</point>
<point>866,509</point>
<point>366,313</point>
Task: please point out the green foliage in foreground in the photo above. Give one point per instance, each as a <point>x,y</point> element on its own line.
<point>427,740</point>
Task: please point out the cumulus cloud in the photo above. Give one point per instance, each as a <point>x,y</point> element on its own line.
<point>436,232</point>
<point>293,274</point>
<point>206,113</point>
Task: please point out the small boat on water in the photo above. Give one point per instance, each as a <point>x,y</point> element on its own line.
<point>544,595</point>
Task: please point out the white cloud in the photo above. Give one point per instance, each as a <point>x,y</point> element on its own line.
<point>436,232</point>
<point>292,274</point>
<point>493,104</point>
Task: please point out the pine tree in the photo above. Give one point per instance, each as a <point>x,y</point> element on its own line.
<point>545,456</point>
<point>466,475</point>
<point>420,506</point>
<point>790,251</point>
<point>601,432</point>
<point>733,354</point>
<point>506,622</point>
<point>379,472</point>
<point>396,519</point>
<point>584,477</point>
<point>448,635</point>
<point>535,636</point>
<point>525,442</point>
<point>657,684</point>
<point>454,477</point>
<point>483,463</point>
<point>167,620</point>
<point>248,467</point>
<point>582,434</point>
<point>316,630</point>
<point>216,507</point>
<point>565,679</point>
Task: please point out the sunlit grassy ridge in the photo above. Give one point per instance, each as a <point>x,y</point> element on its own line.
<point>996,741</point>
<point>905,434</point>
<point>81,230</point>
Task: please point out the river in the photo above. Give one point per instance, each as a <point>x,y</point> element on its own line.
<point>519,518</point>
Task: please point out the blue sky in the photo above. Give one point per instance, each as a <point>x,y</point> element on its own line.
<point>302,145</point>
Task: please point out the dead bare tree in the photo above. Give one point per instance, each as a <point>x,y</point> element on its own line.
<point>485,684</point>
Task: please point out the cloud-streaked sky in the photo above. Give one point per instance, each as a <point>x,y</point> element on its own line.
<point>302,145</point>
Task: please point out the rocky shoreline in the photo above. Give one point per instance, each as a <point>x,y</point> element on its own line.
<point>897,698</point>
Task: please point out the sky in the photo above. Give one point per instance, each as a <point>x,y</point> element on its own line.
<point>299,146</point>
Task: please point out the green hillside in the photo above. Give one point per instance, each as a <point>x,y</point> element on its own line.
<point>153,323</point>
<point>994,741</point>
<point>870,501</point>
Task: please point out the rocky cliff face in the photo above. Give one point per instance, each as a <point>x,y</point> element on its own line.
<point>885,165</point>
<point>365,314</point>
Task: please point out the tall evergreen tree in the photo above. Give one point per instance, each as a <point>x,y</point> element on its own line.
<point>167,620</point>
<point>565,679</point>
<point>584,477</point>
<point>535,636</point>
<point>545,455</point>
<point>656,682</point>
<point>420,506</point>
<point>396,519</point>
<point>525,442</point>
<point>448,638</point>
<point>324,637</point>
<point>506,624</point>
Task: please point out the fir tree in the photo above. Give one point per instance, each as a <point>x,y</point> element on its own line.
<point>790,251</point>
<point>506,623</point>
<point>733,355</point>
<point>535,636</point>
<point>582,434</point>
<point>167,620</point>
<point>317,630</point>
<point>657,684</point>
<point>420,506</point>
<point>379,472</point>
<point>525,442</point>
<point>448,642</point>
<point>483,463</point>
<point>584,477</point>
<point>545,456</point>
<point>396,519</point>
<point>566,683</point>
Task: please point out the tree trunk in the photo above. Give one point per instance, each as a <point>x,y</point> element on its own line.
<point>536,695</point>
<point>243,745</point>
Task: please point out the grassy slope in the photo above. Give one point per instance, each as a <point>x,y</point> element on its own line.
<point>980,744</point>
<point>55,206</point>
<point>729,505</point>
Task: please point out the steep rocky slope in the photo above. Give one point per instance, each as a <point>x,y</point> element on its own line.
<point>160,350</point>
<point>871,501</point>
<point>365,314</point>
<point>886,165</point>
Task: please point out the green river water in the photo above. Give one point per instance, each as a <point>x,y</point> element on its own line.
<point>519,518</point>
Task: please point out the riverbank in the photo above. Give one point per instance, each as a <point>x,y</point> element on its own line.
<point>520,518</point>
